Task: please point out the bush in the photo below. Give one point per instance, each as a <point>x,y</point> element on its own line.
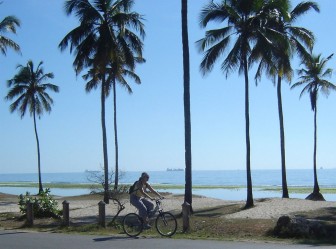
<point>98,180</point>
<point>44,205</point>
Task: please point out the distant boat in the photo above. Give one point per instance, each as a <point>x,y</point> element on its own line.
<point>174,169</point>
<point>92,171</point>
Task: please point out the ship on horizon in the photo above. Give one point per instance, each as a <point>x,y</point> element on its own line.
<point>175,169</point>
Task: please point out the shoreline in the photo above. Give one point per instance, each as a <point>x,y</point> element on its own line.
<point>293,189</point>
<point>226,193</point>
<point>86,206</point>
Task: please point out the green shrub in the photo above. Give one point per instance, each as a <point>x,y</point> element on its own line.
<point>44,205</point>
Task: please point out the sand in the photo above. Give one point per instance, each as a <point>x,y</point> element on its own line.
<point>270,208</point>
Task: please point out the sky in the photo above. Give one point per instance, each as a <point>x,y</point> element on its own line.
<point>151,120</point>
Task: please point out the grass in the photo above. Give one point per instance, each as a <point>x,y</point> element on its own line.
<point>208,223</point>
<point>204,224</point>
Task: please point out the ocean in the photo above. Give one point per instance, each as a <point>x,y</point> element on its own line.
<point>260,179</point>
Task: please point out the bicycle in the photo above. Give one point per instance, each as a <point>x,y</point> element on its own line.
<point>165,222</point>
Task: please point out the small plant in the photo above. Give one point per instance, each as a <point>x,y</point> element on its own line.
<point>44,205</point>
<point>98,180</point>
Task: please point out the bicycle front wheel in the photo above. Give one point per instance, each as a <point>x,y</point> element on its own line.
<point>132,224</point>
<point>166,224</point>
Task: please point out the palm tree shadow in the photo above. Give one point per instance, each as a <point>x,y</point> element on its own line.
<point>323,214</point>
<point>218,211</point>
<point>112,238</point>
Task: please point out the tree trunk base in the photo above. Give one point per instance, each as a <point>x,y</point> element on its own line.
<point>248,205</point>
<point>315,197</point>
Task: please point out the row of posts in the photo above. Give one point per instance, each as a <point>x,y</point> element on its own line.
<point>102,214</point>
<point>66,214</point>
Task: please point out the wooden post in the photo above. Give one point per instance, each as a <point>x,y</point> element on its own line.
<point>102,215</point>
<point>30,214</point>
<point>66,213</point>
<point>186,216</point>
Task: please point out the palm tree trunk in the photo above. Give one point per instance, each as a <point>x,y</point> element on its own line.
<point>282,142</point>
<point>106,182</point>
<point>115,138</point>
<point>316,185</point>
<point>38,155</point>
<point>249,200</point>
<point>186,98</point>
<point>316,195</point>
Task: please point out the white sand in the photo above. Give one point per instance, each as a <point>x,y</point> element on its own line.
<point>271,208</point>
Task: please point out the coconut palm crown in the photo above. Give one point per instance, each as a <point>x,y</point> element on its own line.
<point>8,24</point>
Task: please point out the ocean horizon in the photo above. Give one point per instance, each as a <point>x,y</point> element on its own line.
<point>220,178</point>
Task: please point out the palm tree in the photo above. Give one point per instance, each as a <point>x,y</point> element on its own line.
<point>245,26</point>
<point>105,31</point>
<point>30,91</point>
<point>8,24</point>
<point>312,78</point>
<point>117,72</point>
<point>186,98</point>
<point>276,59</point>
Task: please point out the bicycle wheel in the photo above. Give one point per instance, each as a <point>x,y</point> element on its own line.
<point>166,224</point>
<point>132,224</point>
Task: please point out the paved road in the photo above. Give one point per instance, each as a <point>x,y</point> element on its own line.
<point>32,240</point>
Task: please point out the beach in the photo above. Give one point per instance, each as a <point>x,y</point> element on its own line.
<point>264,208</point>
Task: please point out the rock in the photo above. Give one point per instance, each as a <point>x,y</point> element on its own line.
<point>299,227</point>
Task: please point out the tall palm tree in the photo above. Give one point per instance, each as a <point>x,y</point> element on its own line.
<point>288,40</point>
<point>117,72</point>
<point>245,27</point>
<point>313,80</point>
<point>8,24</point>
<point>106,30</point>
<point>29,89</point>
<point>186,101</point>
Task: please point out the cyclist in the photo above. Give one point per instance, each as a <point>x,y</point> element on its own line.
<point>138,197</point>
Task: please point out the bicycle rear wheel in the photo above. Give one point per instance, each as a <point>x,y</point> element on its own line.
<point>132,224</point>
<point>166,224</point>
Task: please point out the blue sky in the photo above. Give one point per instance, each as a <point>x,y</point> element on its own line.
<point>150,121</point>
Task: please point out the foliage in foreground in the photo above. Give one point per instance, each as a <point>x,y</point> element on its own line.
<point>44,205</point>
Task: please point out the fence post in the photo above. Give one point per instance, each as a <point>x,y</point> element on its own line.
<point>66,213</point>
<point>102,215</point>
<point>30,214</point>
<point>186,216</point>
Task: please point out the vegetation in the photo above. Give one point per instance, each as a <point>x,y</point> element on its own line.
<point>246,25</point>
<point>104,43</point>
<point>186,103</point>
<point>313,80</point>
<point>276,59</point>
<point>262,32</point>
<point>8,24</point>
<point>30,90</point>
<point>208,223</point>
<point>44,205</point>
<point>97,180</point>
<point>108,43</point>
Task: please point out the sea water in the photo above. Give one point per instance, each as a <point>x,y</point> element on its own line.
<point>260,179</point>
